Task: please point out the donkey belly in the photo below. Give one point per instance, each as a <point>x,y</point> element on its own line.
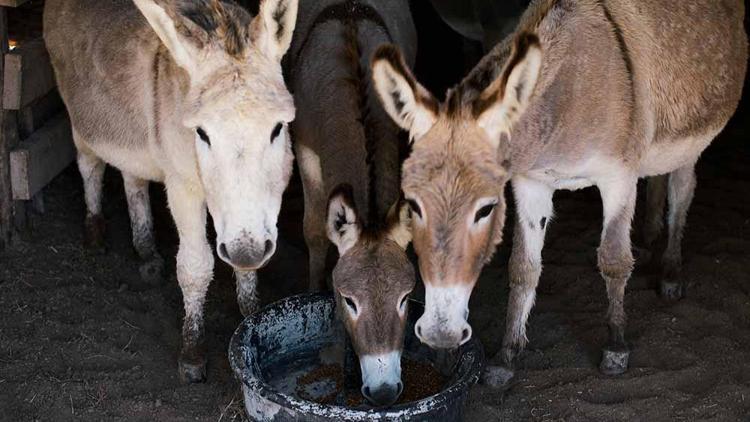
<point>666,156</point>
<point>136,162</point>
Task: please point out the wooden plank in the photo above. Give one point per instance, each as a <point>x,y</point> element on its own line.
<point>6,198</point>
<point>28,75</point>
<point>36,114</point>
<point>12,3</point>
<point>41,157</point>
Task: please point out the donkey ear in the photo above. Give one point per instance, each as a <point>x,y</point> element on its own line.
<point>399,224</point>
<point>410,105</point>
<point>164,20</point>
<point>274,26</point>
<point>342,224</point>
<point>503,103</point>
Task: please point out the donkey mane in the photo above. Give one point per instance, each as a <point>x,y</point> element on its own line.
<point>217,20</point>
<point>359,81</point>
<point>490,67</point>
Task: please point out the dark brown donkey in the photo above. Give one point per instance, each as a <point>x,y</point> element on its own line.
<point>342,135</point>
<point>585,92</point>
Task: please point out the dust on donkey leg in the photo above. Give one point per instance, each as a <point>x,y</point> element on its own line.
<point>142,227</point>
<point>533,215</point>
<point>92,169</point>
<point>616,266</point>
<point>680,193</point>
<point>195,263</point>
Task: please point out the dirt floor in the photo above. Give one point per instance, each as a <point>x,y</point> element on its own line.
<point>82,337</point>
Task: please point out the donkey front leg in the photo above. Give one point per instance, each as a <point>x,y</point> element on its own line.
<point>142,226</point>
<point>616,265</point>
<point>195,263</point>
<point>92,169</point>
<point>247,291</point>
<point>680,192</point>
<point>533,213</point>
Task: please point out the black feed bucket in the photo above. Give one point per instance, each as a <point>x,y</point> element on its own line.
<point>290,333</point>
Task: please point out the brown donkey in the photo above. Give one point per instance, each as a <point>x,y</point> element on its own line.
<point>585,92</point>
<point>348,155</point>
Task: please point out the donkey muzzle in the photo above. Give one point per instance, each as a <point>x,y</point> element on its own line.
<point>247,254</point>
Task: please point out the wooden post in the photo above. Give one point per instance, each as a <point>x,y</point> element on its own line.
<point>6,198</point>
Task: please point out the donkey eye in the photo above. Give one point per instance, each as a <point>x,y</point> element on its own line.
<point>202,134</point>
<point>414,207</point>
<point>484,212</point>
<point>403,301</point>
<point>350,303</point>
<point>276,131</point>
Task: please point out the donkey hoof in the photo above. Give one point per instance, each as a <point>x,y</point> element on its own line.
<point>614,362</point>
<point>93,236</point>
<point>192,373</point>
<point>671,290</point>
<point>152,271</point>
<point>496,376</point>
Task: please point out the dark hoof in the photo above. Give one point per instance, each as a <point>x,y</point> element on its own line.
<point>93,236</point>
<point>191,373</point>
<point>496,376</point>
<point>152,271</point>
<point>614,362</point>
<point>671,290</point>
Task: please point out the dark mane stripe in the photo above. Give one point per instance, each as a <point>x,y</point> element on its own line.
<point>350,13</point>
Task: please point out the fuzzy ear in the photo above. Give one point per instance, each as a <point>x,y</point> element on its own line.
<point>343,225</point>
<point>162,16</point>
<point>410,105</point>
<point>274,26</point>
<point>399,224</point>
<point>503,103</point>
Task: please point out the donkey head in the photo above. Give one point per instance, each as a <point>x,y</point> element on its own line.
<point>372,281</point>
<point>235,112</point>
<point>454,178</point>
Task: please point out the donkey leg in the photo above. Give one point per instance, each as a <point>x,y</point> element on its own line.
<point>616,265</point>
<point>142,226</point>
<point>534,211</point>
<point>314,225</point>
<point>681,189</point>
<point>247,291</point>
<point>656,195</point>
<point>195,263</point>
<point>92,168</point>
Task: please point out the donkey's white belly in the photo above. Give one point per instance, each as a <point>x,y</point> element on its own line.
<point>139,162</point>
<point>573,176</point>
<point>669,155</point>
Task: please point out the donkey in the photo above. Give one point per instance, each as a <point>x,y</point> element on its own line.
<point>585,92</point>
<point>372,281</point>
<point>343,137</point>
<point>190,94</point>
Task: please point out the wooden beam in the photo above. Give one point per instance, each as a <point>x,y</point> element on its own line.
<point>12,3</point>
<point>6,199</point>
<point>28,75</point>
<point>41,157</point>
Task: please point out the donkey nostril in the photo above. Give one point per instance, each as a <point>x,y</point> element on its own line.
<point>223,251</point>
<point>269,248</point>
<point>399,388</point>
<point>366,391</point>
<point>465,335</point>
<point>419,331</point>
